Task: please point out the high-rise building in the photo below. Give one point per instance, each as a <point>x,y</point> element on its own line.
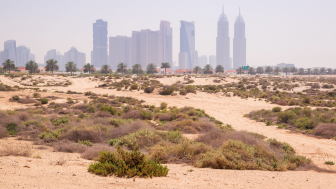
<point>187,42</point>
<point>10,50</point>
<point>239,43</point>
<point>212,61</point>
<point>54,54</point>
<point>223,42</point>
<point>2,57</point>
<point>202,61</point>
<point>73,55</point>
<point>135,48</point>
<point>119,51</point>
<point>99,54</point>
<point>23,55</point>
<point>183,60</point>
<point>149,48</point>
<point>166,42</point>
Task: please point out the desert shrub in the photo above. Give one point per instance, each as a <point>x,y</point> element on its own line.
<point>167,91</point>
<point>82,135</point>
<point>165,117</point>
<point>133,114</point>
<point>291,102</point>
<point>44,101</point>
<point>129,164</point>
<point>326,86</point>
<point>315,86</point>
<point>23,116</point>
<point>149,89</point>
<point>134,86</point>
<point>108,108</point>
<point>68,146</point>
<point>304,123</point>
<point>85,142</point>
<point>117,132</point>
<point>326,130</point>
<point>119,122</point>
<point>93,152</point>
<point>306,100</point>
<point>15,98</point>
<point>286,116</point>
<point>3,132</point>
<point>146,115</point>
<point>282,102</point>
<point>103,114</point>
<point>27,101</point>
<point>60,121</point>
<point>11,150</point>
<point>11,128</point>
<point>276,109</point>
<point>91,109</point>
<point>163,105</point>
<point>183,92</point>
<point>88,93</point>
<point>329,163</point>
<point>36,95</point>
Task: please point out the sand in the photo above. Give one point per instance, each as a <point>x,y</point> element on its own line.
<point>43,173</point>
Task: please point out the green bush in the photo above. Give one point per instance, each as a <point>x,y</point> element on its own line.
<point>286,117</point>
<point>129,164</point>
<point>118,122</point>
<point>304,123</point>
<point>276,109</point>
<point>134,86</point>
<point>306,100</point>
<point>44,101</point>
<point>329,163</point>
<point>92,109</point>
<point>149,89</point>
<point>11,128</point>
<point>291,102</point>
<point>16,98</point>
<point>60,121</point>
<point>85,142</point>
<point>108,108</point>
<point>167,91</point>
<point>163,105</point>
<point>146,115</point>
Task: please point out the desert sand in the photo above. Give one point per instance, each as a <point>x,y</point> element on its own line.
<point>23,172</point>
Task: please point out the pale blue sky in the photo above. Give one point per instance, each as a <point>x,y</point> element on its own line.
<point>302,32</point>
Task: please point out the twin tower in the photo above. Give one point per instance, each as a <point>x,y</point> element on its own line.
<point>223,43</point>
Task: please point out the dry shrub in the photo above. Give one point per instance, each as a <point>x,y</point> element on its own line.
<point>282,102</point>
<point>61,161</point>
<point>27,101</point>
<point>11,150</point>
<point>134,114</point>
<point>82,107</point>
<point>68,146</point>
<point>189,126</point>
<point>93,152</point>
<point>326,130</point>
<point>103,114</point>
<point>3,132</point>
<point>64,112</point>
<point>165,117</point>
<point>23,116</point>
<point>117,132</point>
<point>83,135</point>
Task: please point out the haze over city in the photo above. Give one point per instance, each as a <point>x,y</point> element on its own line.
<point>299,32</point>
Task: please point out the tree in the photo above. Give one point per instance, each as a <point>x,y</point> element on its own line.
<point>70,67</point>
<point>105,69</point>
<point>207,69</point>
<point>316,71</point>
<point>251,71</point>
<point>136,69</point>
<point>322,71</point>
<point>329,71</point>
<point>293,70</point>
<point>277,70</point>
<point>52,65</point>
<point>165,65</point>
<point>121,67</point>
<point>151,68</point>
<point>219,69</point>
<point>260,70</point>
<point>32,66</point>
<point>239,70</point>
<point>309,71</point>
<point>197,69</point>
<point>301,71</point>
<point>8,64</point>
<point>285,69</point>
<point>268,70</point>
<point>88,68</point>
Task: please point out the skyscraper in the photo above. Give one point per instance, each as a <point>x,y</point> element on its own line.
<point>54,54</point>
<point>99,54</point>
<point>120,51</point>
<point>187,42</point>
<point>202,61</point>
<point>239,43</point>
<point>23,55</point>
<point>10,50</point>
<point>212,61</point>
<point>223,41</point>
<point>166,42</point>
<point>73,55</point>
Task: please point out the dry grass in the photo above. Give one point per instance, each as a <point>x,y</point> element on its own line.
<point>11,150</point>
<point>93,152</point>
<point>134,114</point>
<point>68,146</point>
<point>3,132</point>
<point>326,130</point>
<point>117,132</point>
<point>83,135</point>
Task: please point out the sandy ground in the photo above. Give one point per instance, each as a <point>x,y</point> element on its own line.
<point>43,174</point>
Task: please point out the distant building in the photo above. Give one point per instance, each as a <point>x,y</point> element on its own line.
<point>223,42</point>
<point>184,71</point>
<point>54,54</point>
<point>10,50</point>
<point>183,60</point>
<point>166,43</point>
<point>283,65</point>
<point>187,42</point>
<point>239,43</point>
<point>212,61</point>
<point>202,61</point>
<point>2,57</point>
<point>99,54</point>
<point>23,56</point>
<point>75,56</point>
<point>119,51</point>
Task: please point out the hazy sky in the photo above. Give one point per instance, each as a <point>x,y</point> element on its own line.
<point>302,32</point>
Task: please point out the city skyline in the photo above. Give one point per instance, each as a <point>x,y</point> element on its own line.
<point>273,35</point>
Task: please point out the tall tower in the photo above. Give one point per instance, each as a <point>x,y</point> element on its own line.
<point>223,42</point>
<point>99,54</point>
<point>187,44</point>
<point>239,43</point>
<point>10,51</point>
<point>166,43</point>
